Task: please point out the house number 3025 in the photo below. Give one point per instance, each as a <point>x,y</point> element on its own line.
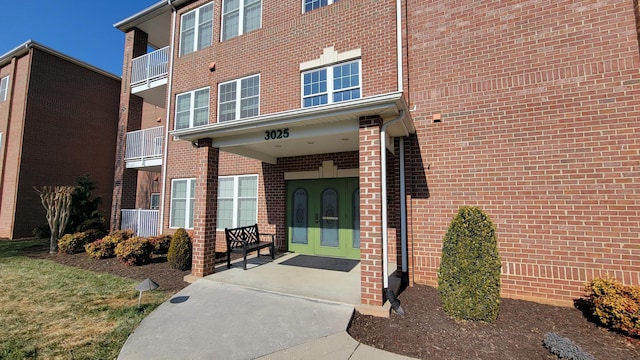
<point>276,134</point>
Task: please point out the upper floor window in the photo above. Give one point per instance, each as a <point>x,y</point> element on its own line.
<point>237,201</point>
<point>314,4</point>
<point>183,192</point>
<point>239,99</point>
<point>154,203</point>
<point>192,109</point>
<point>196,30</point>
<point>4,85</point>
<point>331,84</point>
<point>240,17</point>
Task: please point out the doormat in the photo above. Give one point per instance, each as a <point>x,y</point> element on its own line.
<point>323,263</point>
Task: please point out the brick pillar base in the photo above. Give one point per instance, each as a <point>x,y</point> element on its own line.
<point>371,291</point>
<point>205,212</point>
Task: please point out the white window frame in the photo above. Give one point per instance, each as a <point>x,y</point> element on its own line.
<point>236,188</point>
<point>238,99</point>
<point>304,3</point>
<point>190,48</point>
<point>330,90</point>
<point>4,88</point>
<point>189,197</point>
<point>241,14</point>
<point>154,195</point>
<point>192,109</point>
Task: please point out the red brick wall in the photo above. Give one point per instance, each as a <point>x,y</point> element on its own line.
<point>12,125</point>
<point>70,129</point>
<point>539,104</point>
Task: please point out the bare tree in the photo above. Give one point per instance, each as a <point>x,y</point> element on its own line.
<point>57,201</point>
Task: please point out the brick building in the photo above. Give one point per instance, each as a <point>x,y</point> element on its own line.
<point>357,128</point>
<point>58,121</point>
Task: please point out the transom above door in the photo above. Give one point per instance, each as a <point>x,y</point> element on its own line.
<point>323,217</point>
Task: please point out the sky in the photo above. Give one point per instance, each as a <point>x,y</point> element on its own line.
<point>81,29</point>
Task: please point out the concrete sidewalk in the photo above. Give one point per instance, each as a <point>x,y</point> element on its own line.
<point>212,320</point>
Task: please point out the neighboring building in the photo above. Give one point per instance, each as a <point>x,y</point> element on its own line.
<point>58,121</point>
<point>343,126</point>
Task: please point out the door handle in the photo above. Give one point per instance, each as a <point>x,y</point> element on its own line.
<point>330,218</point>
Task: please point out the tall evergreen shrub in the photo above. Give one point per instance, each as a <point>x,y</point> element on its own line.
<point>469,274</point>
<point>179,255</point>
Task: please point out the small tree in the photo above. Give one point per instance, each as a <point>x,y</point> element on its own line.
<point>56,200</point>
<point>179,255</point>
<point>469,274</point>
<point>84,209</point>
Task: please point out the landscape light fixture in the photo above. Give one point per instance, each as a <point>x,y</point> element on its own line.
<point>145,285</point>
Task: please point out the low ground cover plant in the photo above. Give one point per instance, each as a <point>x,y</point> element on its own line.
<point>614,305</point>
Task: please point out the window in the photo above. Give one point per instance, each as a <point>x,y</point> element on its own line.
<point>240,17</point>
<point>239,99</point>
<point>237,201</point>
<point>182,203</point>
<point>314,4</point>
<point>192,109</point>
<point>4,85</point>
<point>331,84</point>
<point>196,29</point>
<point>155,201</point>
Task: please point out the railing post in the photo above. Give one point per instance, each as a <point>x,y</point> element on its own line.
<point>138,222</point>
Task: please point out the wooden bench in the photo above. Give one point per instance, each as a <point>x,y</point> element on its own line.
<point>246,239</point>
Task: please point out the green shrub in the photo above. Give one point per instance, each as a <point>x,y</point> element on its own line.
<point>134,251</point>
<point>74,243</point>
<point>469,274</point>
<point>615,305</point>
<point>105,247</point>
<point>97,224</point>
<point>42,231</point>
<point>179,255</point>
<point>160,243</point>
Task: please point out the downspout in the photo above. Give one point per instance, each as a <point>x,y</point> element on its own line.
<point>383,180</point>
<point>403,213</point>
<point>399,42</point>
<point>166,127</point>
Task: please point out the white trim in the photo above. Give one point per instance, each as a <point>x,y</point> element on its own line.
<point>191,94</point>
<point>241,14</point>
<point>330,91</point>
<point>196,29</point>
<point>238,98</point>
<point>329,2</point>
<point>187,210</point>
<point>4,88</point>
<point>235,199</point>
<point>151,196</point>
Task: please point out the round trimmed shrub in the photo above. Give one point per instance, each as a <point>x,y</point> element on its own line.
<point>179,255</point>
<point>105,247</point>
<point>469,274</point>
<point>160,243</point>
<point>75,243</point>
<point>135,251</point>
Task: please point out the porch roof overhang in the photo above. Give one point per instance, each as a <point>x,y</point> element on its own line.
<point>316,130</point>
<point>154,20</point>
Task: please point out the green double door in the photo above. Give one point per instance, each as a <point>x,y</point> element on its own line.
<point>323,217</point>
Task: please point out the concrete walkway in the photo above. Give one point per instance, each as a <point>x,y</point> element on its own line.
<point>213,320</point>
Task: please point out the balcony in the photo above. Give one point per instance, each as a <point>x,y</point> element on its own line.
<point>142,222</point>
<point>144,149</point>
<point>149,75</point>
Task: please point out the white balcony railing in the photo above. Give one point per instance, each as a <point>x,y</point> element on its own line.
<point>150,67</point>
<point>144,144</point>
<point>143,222</point>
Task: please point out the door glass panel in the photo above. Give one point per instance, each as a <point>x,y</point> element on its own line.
<point>356,218</point>
<point>329,223</point>
<point>299,214</point>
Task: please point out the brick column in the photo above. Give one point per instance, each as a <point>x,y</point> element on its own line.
<point>125,181</point>
<point>206,210</point>
<point>371,291</point>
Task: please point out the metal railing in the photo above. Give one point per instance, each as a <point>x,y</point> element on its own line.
<point>144,144</point>
<point>143,222</point>
<point>150,67</point>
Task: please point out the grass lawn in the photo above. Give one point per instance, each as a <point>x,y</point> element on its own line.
<point>52,311</point>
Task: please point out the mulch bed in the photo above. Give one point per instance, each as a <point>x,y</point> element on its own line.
<point>425,331</point>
